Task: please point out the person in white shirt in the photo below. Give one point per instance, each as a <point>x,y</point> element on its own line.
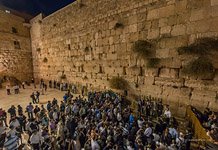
<point>167,112</point>
<point>180,141</point>
<point>15,123</point>
<point>35,140</point>
<point>95,145</point>
<point>119,117</point>
<point>140,122</point>
<point>148,131</point>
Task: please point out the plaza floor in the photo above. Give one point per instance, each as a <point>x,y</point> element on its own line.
<point>23,98</point>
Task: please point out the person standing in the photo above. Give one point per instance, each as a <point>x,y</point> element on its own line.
<point>12,111</point>
<point>3,116</point>
<point>11,142</point>
<point>32,96</point>
<point>37,96</point>
<point>23,85</point>
<point>29,110</point>
<point>35,140</point>
<point>8,89</point>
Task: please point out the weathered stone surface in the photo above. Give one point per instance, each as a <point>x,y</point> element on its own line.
<point>149,80</point>
<point>178,30</point>
<point>197,15</point>
<point>169,73</point>
<point>169,82</point>
<point>176,94</point>
<point>202,98</point>
<point>15,60</point>
<point>214,2</point>
<point>152,72</point>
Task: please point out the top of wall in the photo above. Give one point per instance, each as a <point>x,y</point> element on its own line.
<point>15,13</point>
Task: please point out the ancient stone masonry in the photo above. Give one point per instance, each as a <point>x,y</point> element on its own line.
<point>15,47</point>
<point>91,41</point>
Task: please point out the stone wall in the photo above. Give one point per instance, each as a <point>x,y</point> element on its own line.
<point>83,42</point>
<point>15,47</point>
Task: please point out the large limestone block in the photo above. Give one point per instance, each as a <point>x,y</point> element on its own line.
<point>202,84</point>
<point>167,11</point>
<point>176,94</point>
<point>141,80</point>
<point>153,33</point>
<point>133,28</point>
<point>153,90</point>
<point>214,2</point>
<point>133,19</point>
<point>213,105</point>
<point>203,95</point>
<point>178,30</point>
<point>181,6</point>
<point>200,26</point>
<point>153,14</point>
<point>197,14</point>
<point>118,70</point>
<point>171,62</point>
<point>109,70</point>
<point>169,82</point>
<point>214,24</point>
<point>149,80</point>
<point>111,56</point>
<point>151,72</point>
<point>163,53</point>
<point>214,11</point>
<point>169,73</point>
<point>165,30</point>
<point>135,71</point>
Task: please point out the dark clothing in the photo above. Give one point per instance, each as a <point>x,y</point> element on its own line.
<point>12,111</point>
<point>166,139</point>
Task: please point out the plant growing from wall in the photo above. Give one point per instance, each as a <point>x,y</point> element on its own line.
<point>202,46</point>
<point>118,83</point>
<point>199,68</point>
<point>118,25</point>
<point>86,49</point>
<point>85,77</point>
<point>143,48</point>
<point>38,49</point>
<point>45,60</point>
<point>63,76</point>
<point>81,5</point>
<point>153,62</point>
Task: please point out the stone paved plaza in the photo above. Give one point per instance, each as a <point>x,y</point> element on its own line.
<point>24,97</point>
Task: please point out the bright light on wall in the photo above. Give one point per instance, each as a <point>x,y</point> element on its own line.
<point>7,11</point>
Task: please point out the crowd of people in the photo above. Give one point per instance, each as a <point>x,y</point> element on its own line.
<point>209,121</point>
<point>103,120</point>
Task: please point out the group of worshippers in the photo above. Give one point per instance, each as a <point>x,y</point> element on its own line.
<point>209,120</point>
<point>103,121</point>
<point>9,89</point>
<point>64,86</point>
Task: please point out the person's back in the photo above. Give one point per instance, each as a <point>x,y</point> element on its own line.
<point>11,143</point>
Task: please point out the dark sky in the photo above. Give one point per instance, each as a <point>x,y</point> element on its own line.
<point>34,7</point>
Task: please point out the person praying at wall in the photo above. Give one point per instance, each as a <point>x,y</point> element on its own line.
<point>50,84</point>
<point>23,85</point>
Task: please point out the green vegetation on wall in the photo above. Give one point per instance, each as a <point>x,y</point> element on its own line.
<point>153,62</point>
<point>45,60</point>
<point>202,46</point>
<point>118,83</point>
<point>200,67</point>
<point>143,48</point>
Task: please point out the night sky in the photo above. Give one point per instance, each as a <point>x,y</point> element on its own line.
<point>34,7</point>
